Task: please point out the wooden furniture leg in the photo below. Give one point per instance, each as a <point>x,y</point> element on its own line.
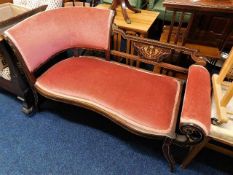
<point>131,8</point>
<point>194,150</point>
<point>124,13</point>
<point>124,4</point>
<point>16,85</point>
<point>167,153</point>
<point>84,1</point>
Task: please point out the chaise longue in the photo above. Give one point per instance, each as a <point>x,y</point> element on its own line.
<point>143,102</point>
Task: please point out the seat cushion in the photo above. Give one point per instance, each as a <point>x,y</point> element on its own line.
<point>140,100</point>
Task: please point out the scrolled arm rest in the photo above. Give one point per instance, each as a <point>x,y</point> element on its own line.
<point>195,116</point>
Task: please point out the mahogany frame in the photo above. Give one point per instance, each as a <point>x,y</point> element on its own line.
<point>143,50</point>
<point>17,84</point>
<point>185,138</point>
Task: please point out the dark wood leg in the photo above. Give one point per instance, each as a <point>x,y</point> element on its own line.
<point>131,8</point>
<point>171,27</point>
<point>27,108</point>
<point>114,5</point>
<point>28,103</point>
<point>124,12</point>
<point>179,27</point>
<point>167,154</point>
<point>194,150</point>
<point>124,5</point>
<point>188,28</point>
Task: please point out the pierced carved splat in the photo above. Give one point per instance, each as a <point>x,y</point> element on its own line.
<point>152,53</point>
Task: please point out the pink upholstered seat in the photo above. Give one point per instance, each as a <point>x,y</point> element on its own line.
<point>141,100</point>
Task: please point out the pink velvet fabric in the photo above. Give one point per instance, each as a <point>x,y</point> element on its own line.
<point>197,99</point>
<point>43,35</point>
<point>140,99</point>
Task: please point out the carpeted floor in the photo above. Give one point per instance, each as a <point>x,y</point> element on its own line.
<point>67,140</point>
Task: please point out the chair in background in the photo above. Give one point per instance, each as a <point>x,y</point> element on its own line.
<point>223,90</point>
<point>222,114</point>
<point>178,22</point>
<point>171,25</point>
<point>31,4</point>
<point>210,25</point>
<point>164,15</point>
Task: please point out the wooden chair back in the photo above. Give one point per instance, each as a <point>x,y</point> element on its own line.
<point>223,90</point>
<point>162,58</point>
<point>179,33</point>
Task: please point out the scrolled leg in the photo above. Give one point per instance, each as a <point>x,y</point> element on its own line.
<point>167,153</point>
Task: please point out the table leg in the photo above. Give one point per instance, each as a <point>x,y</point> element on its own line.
<point>124,4</point>
<point>124,13</point>
<point>131,8</point>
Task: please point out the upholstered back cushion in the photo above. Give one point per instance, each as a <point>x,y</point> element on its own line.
<point>45,34</point>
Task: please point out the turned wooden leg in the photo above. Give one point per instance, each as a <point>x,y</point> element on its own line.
<point>124,12</point>
<point>131,8</point>
<point>194,150</point>
<point>124,5</point>
<point>114,5</point>
<point>167,153</point>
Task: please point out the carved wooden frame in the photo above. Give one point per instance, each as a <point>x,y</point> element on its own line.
<point>151,52</point>
<point>164,49</point>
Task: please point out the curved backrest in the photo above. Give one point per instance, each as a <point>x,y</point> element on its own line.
<point>45,34</point>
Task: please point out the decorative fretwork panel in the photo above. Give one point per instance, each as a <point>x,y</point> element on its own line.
<point>153,55</point>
